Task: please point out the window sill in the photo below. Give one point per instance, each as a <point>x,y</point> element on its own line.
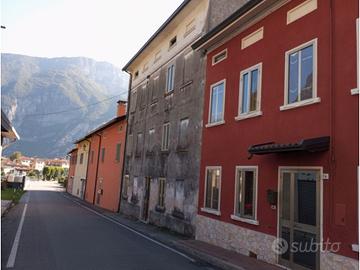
<point>248,115</point>
<point>168,94</point>
<point>245,220</point>
<point>211,211</point>
<point>300,104</point>
<point>215,124</point>
<point>354,91</point>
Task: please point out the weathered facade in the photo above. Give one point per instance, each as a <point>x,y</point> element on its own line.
<point>164,127</point>
<point>279,162</point>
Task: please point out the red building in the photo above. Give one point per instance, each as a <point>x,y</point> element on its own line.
<point>72,165</point>
<point>279,151</point>
<point>107,144</point>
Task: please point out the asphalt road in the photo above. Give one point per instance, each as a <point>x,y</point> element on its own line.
<point>60,234</point>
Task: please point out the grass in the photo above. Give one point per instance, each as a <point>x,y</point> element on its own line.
<point>11,194</point>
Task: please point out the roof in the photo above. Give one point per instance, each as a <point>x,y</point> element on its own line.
<point>162,27</point>
<point>102,127</point>
<point>224,24</point>
<point>72,151</point>
<point>312,145</point>
<point>7,130</point>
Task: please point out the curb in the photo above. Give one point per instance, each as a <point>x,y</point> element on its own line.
<point>208,258</point>
<point>6,208</point>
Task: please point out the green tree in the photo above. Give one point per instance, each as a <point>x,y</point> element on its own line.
<point>15,155</point>
<point>46,172</point>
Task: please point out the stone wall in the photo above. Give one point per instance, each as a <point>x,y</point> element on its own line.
<point>331,261</point>
<point>235,238</point>
<point>243,241</point>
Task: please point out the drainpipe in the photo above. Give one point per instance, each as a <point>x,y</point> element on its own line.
<point>87,169</point>
<point>126,130</point>
<point>97,167</point>
<point>332,158</point>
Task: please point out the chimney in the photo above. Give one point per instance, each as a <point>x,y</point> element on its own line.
<point>121,108</point>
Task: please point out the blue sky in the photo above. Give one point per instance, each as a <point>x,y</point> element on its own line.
<point>106,30</point>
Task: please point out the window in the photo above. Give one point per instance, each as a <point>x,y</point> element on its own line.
<point>170,78</point>
<point>151,139</point>
<point>139,142</point>
<point>172,42</point>
<point>136,74</point>
<point>81,158</point>
<point>179,195</point>
<point>129,145</point>
<point>133,101</point>
<point>245,193</point>
<point>190,27</point>
<point>250,90</point>
<point>161,195</point>
<point>165,137</point>
<point>217,102</point>
<point>103,155</point>
<point>183,133</point>
<point>212,190</point>
<point>300,77</point>
<point>157,56</point>
<point>118,148</point>
<point>125,187</point>
<point>219,57</point>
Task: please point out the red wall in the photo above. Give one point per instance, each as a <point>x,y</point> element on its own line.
<point>91,170</point>
<point>109,171</point>
<point>336,115</point>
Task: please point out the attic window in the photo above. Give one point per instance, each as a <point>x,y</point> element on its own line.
<point>172,42</point>
<point>136,74</point>
<point>219,57</point>
<point>190,27</point>
<point>157,56</point>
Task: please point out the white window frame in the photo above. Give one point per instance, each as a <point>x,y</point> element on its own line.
<point>163,146</point>
<point>204,208</point>
<point>210,124</point>
<point>315,98</point>
<point>258,111</point>
<point>214,62</point>
<point>167,90</point>
<point>235,215</point>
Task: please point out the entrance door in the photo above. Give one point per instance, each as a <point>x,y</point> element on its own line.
<point>299,218</point>
<point>145,208</point>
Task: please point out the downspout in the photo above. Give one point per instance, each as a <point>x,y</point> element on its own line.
<point>87,169</point>
<point>126,130</point>
<point>332,107</point>
<point>97,167</point>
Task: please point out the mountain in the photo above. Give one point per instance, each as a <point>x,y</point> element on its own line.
<point>34,89</point>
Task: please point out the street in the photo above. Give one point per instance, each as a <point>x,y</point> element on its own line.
<point>57,233</point>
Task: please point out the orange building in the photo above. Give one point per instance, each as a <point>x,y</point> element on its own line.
<point>73,156</point>
<point>104,172</point>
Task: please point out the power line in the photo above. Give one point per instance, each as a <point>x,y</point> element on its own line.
<point>75,109</point>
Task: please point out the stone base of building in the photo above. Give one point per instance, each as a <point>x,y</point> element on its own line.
<point>248,242</point>
<point>129,209</point>
<point>333,261</point>
<point>172,223</point>
<point>235,238</point>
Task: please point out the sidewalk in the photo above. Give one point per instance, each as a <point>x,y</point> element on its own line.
<point>5,205</point>
<point>205,253</point>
